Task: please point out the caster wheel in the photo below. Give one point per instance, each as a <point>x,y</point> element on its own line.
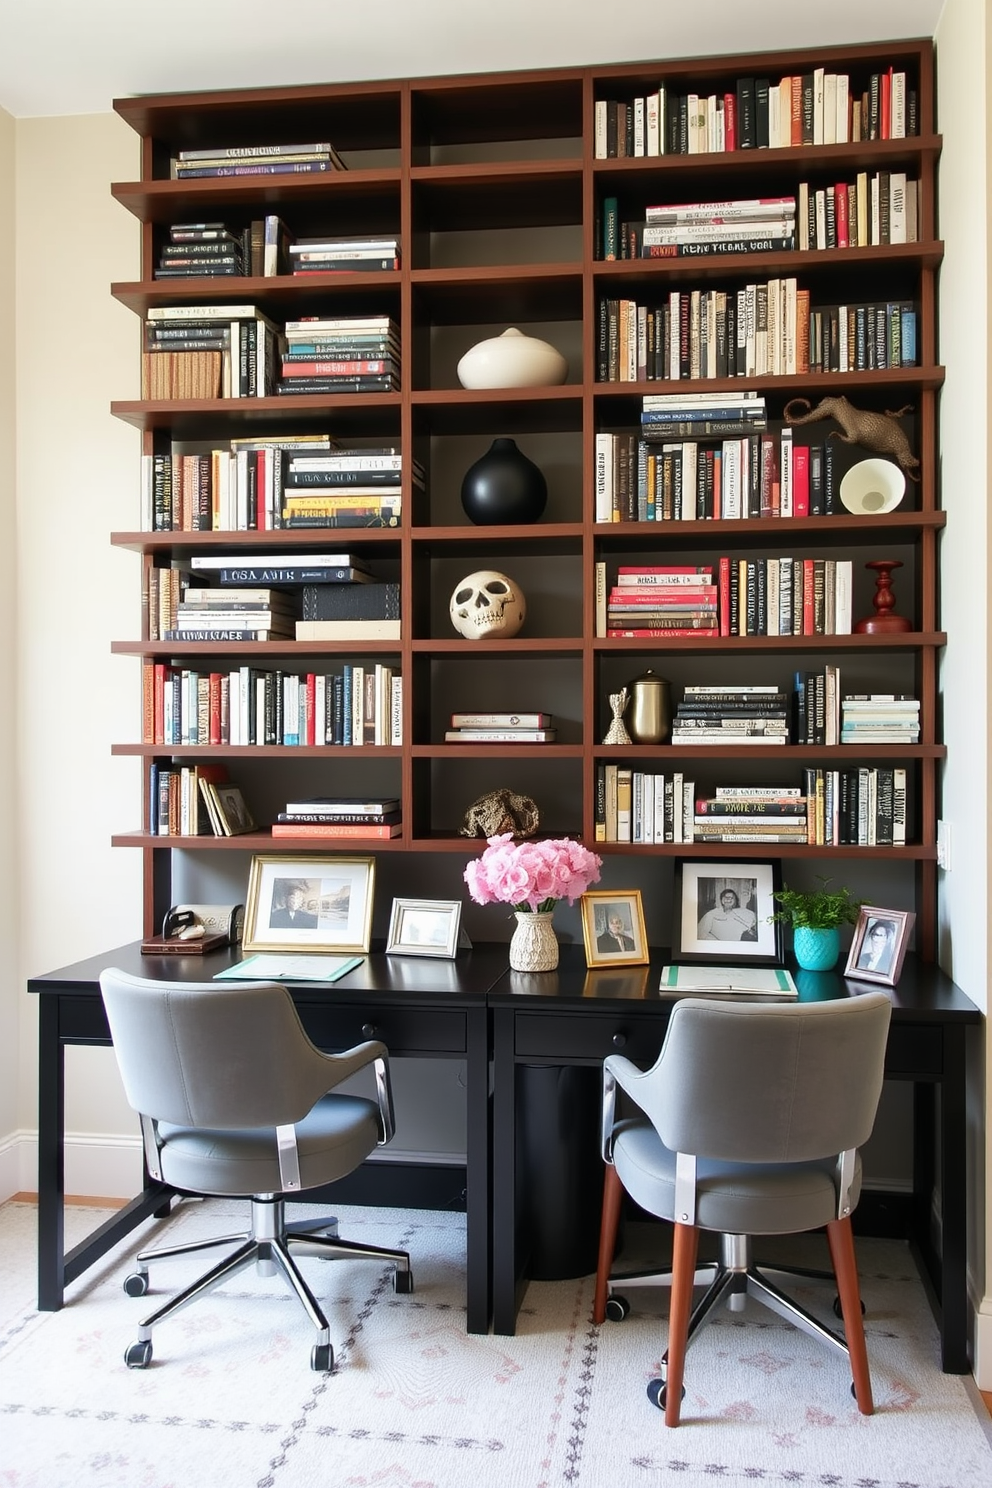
<point>658,1393</point>
<point>136,1285</point>
<point>402,1282</point>
<point>617,1308</point>
<point>322,1358</point>
<point>138,1355</point>
<point>839,1311</point>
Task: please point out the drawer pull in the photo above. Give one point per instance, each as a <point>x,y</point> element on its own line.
<point>619,1040</point>
<point>369,1030</point>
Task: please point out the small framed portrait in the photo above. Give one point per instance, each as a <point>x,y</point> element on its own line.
<point>309,904</point>
<point>878,949</point>
<point>424,927</point>
<point>722,912</point>
<point>613,928</point>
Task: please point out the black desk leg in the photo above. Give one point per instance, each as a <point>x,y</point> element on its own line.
<point>51,1157</point>
<point>477,1178</point>
<point>504,1215</point>
<point>954,1318</point>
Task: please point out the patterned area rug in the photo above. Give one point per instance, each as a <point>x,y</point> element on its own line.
<point>230,1401</point>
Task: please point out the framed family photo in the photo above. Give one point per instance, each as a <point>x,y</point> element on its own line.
<point>721,913</point>
<point>878,949</point>
<point>424,927</point>
<point>613,928</point>
<point>309,904</point>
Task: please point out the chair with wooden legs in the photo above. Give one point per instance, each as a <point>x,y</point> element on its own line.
<point>747,1124</point>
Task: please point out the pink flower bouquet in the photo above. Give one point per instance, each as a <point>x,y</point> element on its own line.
<point>531,875</point>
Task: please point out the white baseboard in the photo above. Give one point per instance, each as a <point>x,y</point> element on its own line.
<point>982,1367</point>
<point>97,1165</point>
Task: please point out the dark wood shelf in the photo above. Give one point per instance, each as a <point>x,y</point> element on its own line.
<point>503,166</point>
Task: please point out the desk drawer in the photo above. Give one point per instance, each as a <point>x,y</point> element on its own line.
<point>402,1030</point>
<point>590,1036</point>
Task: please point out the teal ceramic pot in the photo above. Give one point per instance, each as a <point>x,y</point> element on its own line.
<point>816,950</point>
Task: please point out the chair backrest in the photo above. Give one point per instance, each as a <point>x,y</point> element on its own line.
<point>208,1055</point>
<point>769,1082</point>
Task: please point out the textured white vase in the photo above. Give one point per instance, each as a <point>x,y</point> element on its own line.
<point>512,360</point>
<point>534,945</point>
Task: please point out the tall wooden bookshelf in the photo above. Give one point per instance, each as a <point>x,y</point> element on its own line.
<point>493,185</point>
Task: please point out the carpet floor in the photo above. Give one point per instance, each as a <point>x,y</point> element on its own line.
<point>229,1400</point>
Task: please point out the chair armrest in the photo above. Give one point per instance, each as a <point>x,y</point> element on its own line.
<point>616,1071</point>
<point>348,1063</point>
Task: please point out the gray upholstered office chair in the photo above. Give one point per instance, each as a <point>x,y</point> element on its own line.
<point>233,1099</point>
<point>747,1124</point>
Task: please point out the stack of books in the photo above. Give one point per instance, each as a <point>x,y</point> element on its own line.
<point>501,728</point>
<point>764,224</point>
<point>731,715</point>
<point>672,416</point>
<point>344,255</point>
<point>771,814</point>
<point>234,614</point>
<point>209,351</point>
<point>198,250</point>
<point>655,600</point>
<point>340,816</point>
<point>880,718</point>
<point>256,160</point>
<point>369,611</point>
<point>349,354</point>
<point>356,483</point>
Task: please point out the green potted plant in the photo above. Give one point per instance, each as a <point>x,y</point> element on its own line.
<point>816,916</point>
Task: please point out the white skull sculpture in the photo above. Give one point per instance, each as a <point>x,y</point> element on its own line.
<point>487,605</point>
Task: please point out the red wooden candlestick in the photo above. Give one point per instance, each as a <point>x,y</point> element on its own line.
<point>883,621</point>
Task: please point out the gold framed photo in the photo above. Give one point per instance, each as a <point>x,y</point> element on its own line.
<point>613,928</point>
<point>309,903</point>
<point>881,937</point>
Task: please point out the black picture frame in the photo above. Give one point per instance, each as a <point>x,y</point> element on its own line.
<point>702,923</point>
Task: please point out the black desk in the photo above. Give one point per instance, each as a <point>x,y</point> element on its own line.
<point>419,1007</point>
<point>572,1018</point>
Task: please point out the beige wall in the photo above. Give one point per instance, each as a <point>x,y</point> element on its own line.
<point>963,93</point>
<point>8,662</point>
<point>76,481</point>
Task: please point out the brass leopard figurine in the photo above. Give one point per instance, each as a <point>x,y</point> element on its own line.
<point>501,811</point>
<point>876,431</point>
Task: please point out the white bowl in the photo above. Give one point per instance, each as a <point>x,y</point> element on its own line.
<point>872,487</point>
<point>512,360</point>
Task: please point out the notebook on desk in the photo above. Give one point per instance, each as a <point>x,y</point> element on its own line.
<point>290,966</point>
<point>758,981</point>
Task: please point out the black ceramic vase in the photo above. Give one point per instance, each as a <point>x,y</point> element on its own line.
<point>503,486</point>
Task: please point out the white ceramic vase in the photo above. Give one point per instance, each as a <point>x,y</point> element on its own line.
<point>512,360</point>
<point>534,946</point>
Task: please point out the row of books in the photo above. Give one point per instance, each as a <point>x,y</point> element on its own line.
<point>781,596</point>
<point>766,475</point>
<point>863,807</point>
<point>252,483</point>
<point>640,807</point>
<point>501,728</point>
<point>209,351</point>
<point>357,704</point>
<point>864,213</point>
<point>255,160</point>
<point>340,817</point>
<point>237,351</point>
<point>756,330</point>
<point>814,108</point>
<point>195,800</point>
